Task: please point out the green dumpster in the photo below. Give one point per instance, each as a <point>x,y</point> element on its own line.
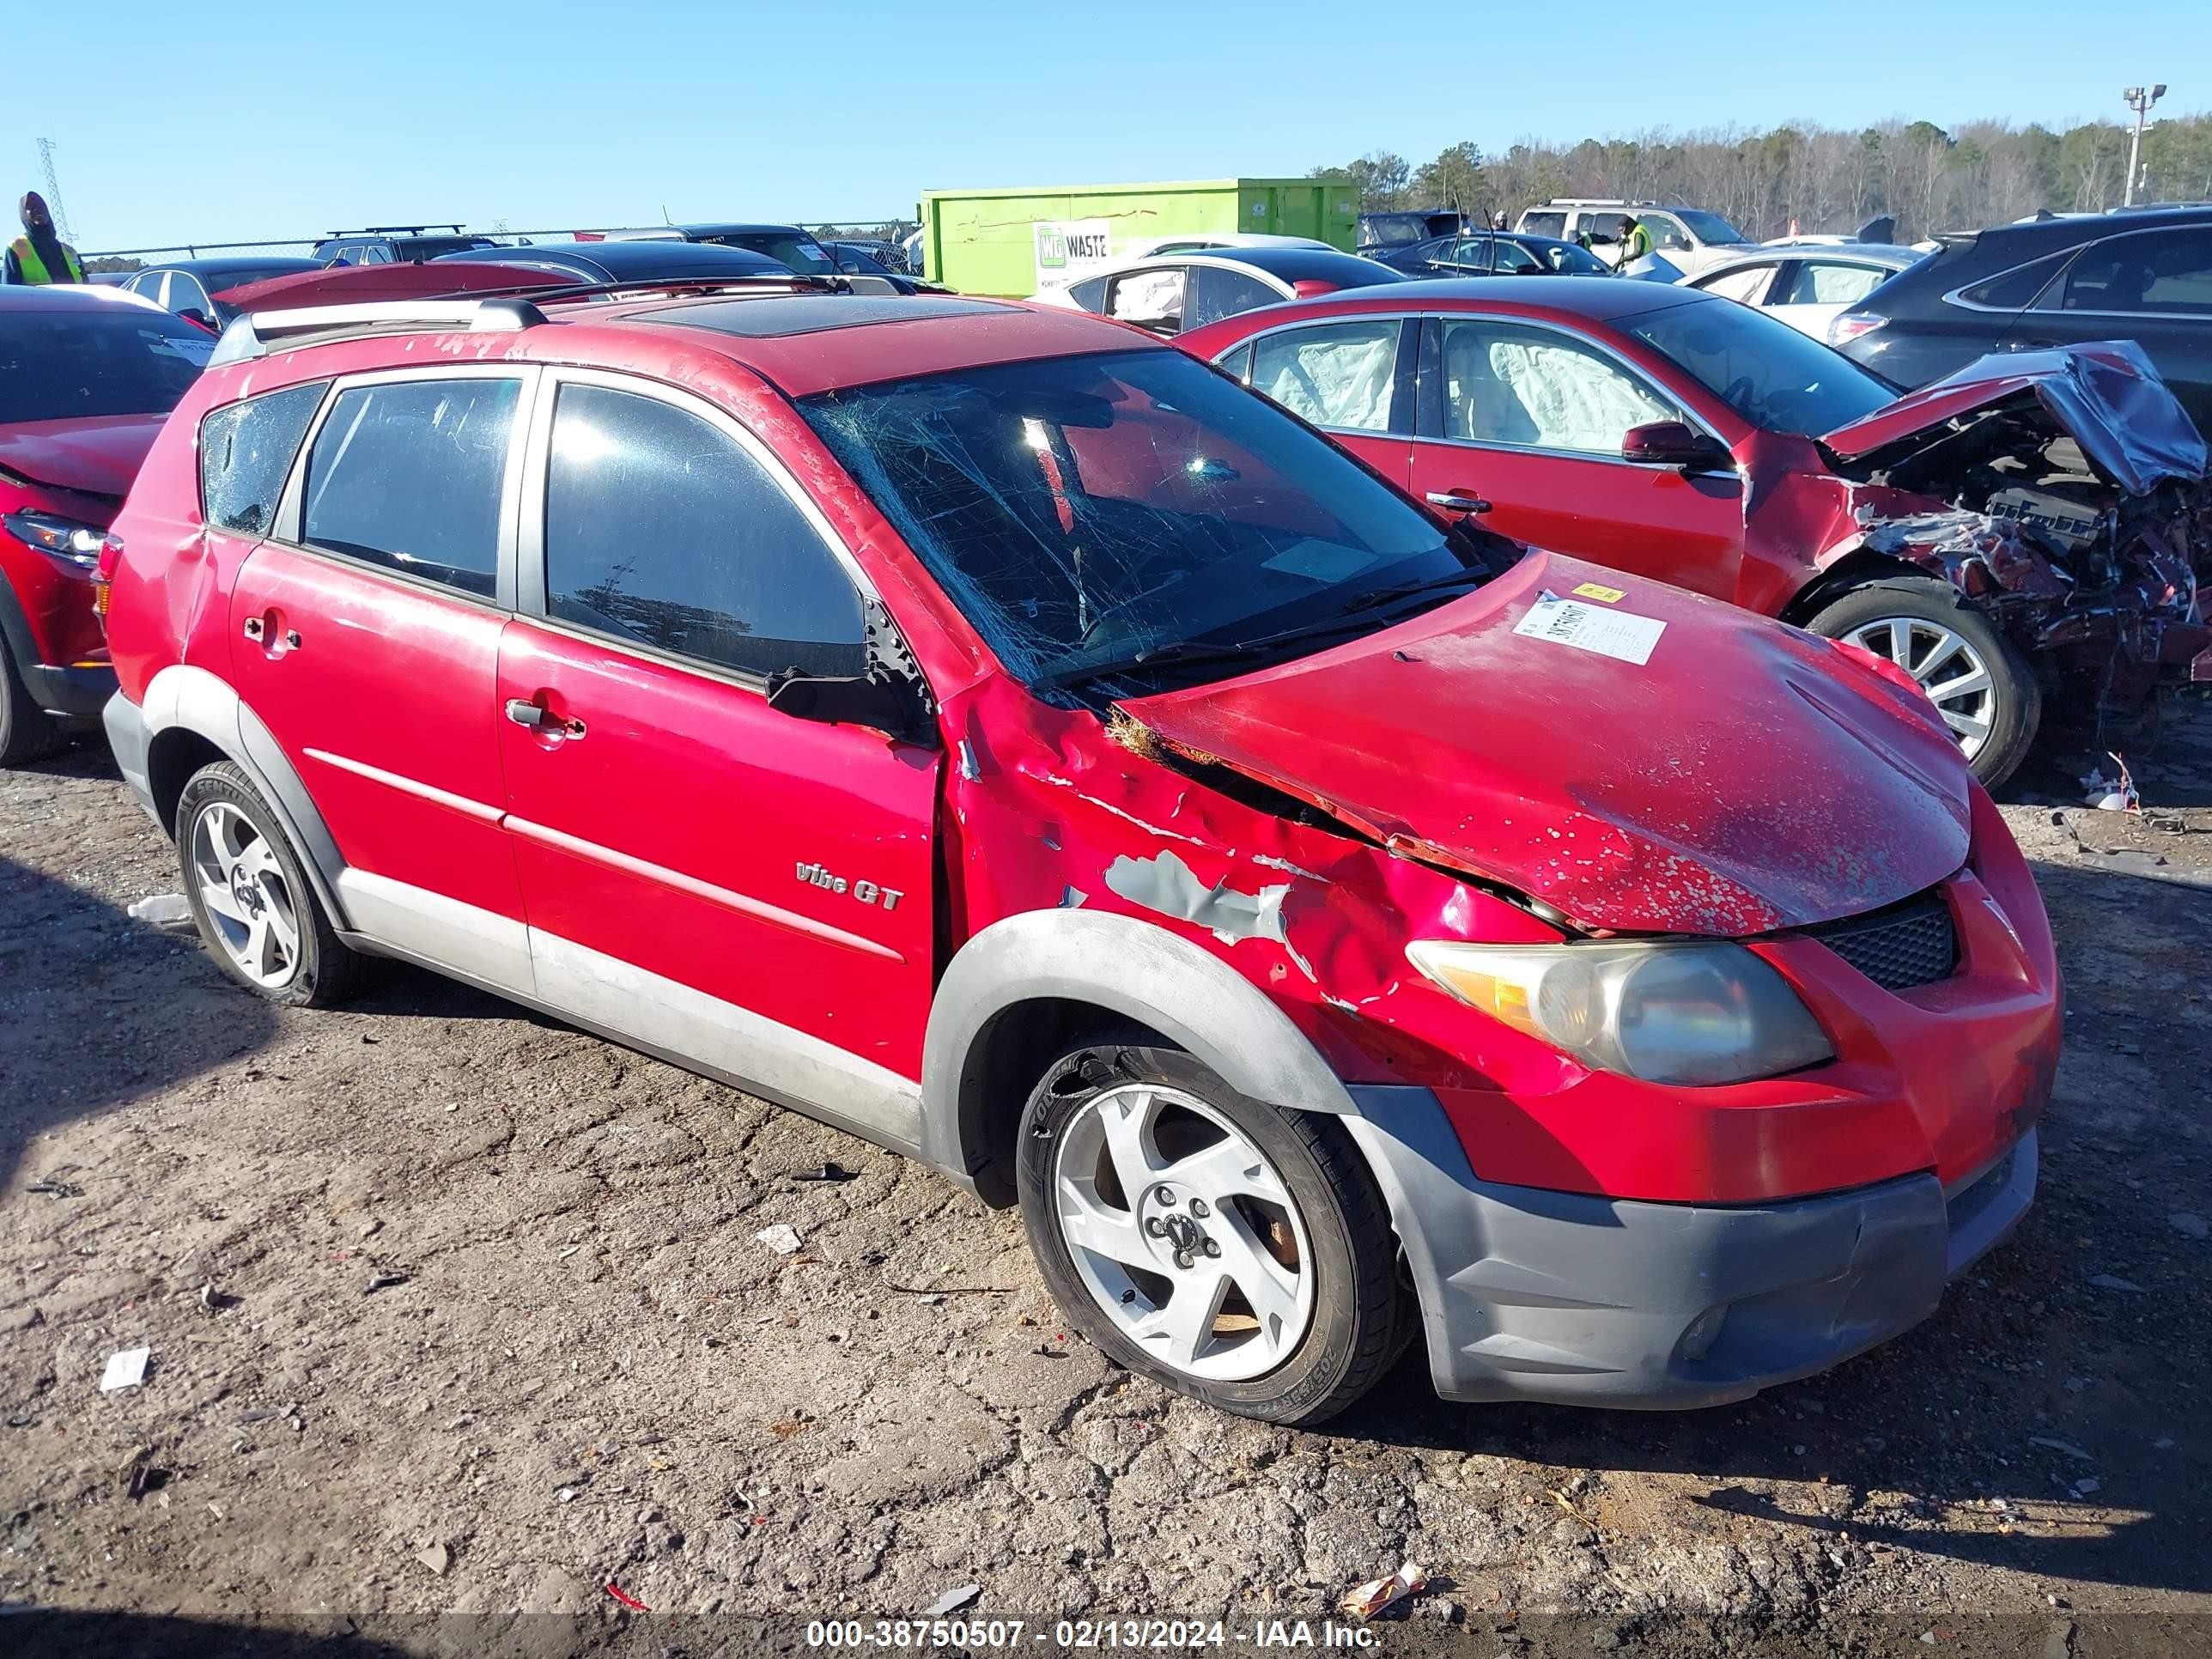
<point>1014,242</point>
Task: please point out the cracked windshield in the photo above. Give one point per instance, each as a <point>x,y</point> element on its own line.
<point>1104,515</point>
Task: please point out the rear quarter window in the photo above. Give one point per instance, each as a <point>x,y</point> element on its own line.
<point>246,453</point>
<point>2018,288</point>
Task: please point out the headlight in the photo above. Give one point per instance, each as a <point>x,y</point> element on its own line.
<point>1690,1013</point>
<point>66,539</point>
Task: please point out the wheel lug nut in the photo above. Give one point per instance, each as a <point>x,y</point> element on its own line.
<point>1212,1248</point>
<point>1198,1207</point>
<point>1164,1196</point>
<point>1154,1227</point>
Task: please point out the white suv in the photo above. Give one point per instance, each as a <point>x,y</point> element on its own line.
<point>1689,239</point>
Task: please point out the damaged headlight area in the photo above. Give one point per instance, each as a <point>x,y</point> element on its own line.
<point>64,539</point>
<point>1694,1013</point>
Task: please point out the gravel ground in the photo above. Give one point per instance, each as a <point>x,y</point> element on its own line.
<point>457,1311</point>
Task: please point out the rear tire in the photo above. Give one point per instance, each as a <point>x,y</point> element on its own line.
<point>249,893</point>
<point>1246,1259</point>
<point>1978,679</point>
<point>28,733</point>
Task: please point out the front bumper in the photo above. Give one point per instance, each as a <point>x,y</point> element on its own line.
<point>1527,1294</point>
<point>125,724</point>
<point>75,696</point>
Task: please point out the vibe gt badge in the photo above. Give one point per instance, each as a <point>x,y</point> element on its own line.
<point>867,892</point>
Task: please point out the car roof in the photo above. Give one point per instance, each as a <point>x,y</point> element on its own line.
<point>1598,298</point>
<point>618,260</point>
<point>67,296</point>
<point>21,299</point>
<point>780,317</point>
<point>801,343</point>
<point>744,230</point>
<point>1284,264</point>
<point>1873,253</point>
<point>2028,237</point>
<point>224,267</point>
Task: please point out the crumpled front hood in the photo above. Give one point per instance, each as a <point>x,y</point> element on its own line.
<point>2106,397</point>
<point>98,457</point>
<point>1745,777</point>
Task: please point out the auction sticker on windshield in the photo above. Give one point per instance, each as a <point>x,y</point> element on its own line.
<point>1609,632</point>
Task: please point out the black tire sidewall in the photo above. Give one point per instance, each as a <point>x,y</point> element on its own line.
<point>2017,708</point>
<point>26,732</point>
<point>225,782</point>
<point>1333,1363</point>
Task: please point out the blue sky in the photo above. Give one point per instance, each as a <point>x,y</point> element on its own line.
<point>276,121</point>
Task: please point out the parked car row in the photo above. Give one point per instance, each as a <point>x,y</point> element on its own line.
<point>1045,749</point>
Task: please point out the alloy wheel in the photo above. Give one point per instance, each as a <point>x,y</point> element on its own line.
<point>1949,669</point>
<point>1183,1233</point>
<point>250,904</point>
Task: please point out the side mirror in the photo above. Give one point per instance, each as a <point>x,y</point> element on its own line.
<point>1671,443</point>
<point>858,699</point>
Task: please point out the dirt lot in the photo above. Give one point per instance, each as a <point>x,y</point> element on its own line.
<point>432,1284</point>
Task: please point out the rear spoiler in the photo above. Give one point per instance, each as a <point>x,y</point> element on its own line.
<point>250,336</point>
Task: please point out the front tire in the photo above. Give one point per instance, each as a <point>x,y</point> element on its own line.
<point>1235,1251</point>
<point>28,733</point>
<point>250,896</point>
<point>1976,677</point>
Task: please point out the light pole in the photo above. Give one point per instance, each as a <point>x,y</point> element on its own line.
<point>2140,99</point>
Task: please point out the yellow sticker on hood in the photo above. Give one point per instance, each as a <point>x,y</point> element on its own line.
<point>1605,595</point>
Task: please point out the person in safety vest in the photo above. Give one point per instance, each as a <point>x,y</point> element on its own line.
<point>37,255</point>
<point>1635,241</point>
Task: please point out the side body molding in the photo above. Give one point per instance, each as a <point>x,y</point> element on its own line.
<point>1128,967</point>
<point>183,697</point>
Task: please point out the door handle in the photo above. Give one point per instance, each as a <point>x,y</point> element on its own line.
<point>256,629</point>
<point>541,720</point>
<point>1458,501</point>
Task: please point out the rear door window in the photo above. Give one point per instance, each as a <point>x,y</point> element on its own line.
<point>1151,298</point>
<point>1089,294</point>
<point>245,452</point>
<point>1747,286</point>
<point>185,294</point>
<point>1337,375</point>
<point>2154,272</point>
<point>1830,283</point>
<point>409,475</point>
<point>1544,224</point>
<point>1216,294</point>
<point>1667,231</point>
<point>661,529</point>
<point>1506,384</point>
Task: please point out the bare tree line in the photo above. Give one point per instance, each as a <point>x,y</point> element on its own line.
<point>1824,178</point>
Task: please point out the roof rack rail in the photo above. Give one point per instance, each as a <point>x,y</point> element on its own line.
<point>485,310</point>
<point>250,336</point>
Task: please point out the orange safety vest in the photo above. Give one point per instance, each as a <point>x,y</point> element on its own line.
<point>34,269</point>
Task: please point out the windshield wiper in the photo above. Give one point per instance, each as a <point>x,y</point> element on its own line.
<point>1187,653</point>
<point>1444,581</point>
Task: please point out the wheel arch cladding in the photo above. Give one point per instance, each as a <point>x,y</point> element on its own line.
<point>191,719</point>
<point>1031,981</point>
<point>1856,568</point>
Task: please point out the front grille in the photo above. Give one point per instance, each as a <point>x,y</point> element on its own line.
<point>1907,944</point>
